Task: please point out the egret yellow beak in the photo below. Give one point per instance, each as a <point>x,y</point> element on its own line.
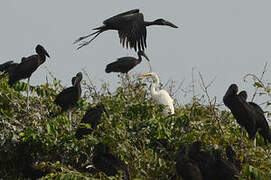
<point>143,75</point>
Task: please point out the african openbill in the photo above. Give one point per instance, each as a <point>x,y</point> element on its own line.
<point>186,167</point>
<point>93,118</point>
<point>104,160</point>
<point>261,123</point>
<point>241,110</point>
<point>125,64</point>
<point>68,97</point>
<point>25,69</point>
<point>248,114</point>
<point>131,28</point>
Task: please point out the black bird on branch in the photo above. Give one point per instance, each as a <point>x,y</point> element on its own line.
<point>247,114</point>
<point>23,70</point>
<point>104,160</point>
<point>125,64</point>
<point>93,118</point>
<point>131,28</point>
<point>68,97</point>
<point>261,123</point>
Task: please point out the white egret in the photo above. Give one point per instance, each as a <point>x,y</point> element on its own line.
<point>160,96</point>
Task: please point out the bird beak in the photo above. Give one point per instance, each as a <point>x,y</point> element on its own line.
<point>167,23</point>
<point>143,75</point>
<point>46,53</point>
<point>143,54</point>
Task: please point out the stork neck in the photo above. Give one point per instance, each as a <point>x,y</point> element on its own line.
<point>139,59</point>
<point>154,85</point>
<point>150,23</point>
<point>42,58</point>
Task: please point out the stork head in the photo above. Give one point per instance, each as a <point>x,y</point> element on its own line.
<point>243,95</point>
<point>41,51</point>
<point>233,89</point>
<point>73,80</point>
<point>142,53</point>
<point>164,23</point>
<point>78,78</point>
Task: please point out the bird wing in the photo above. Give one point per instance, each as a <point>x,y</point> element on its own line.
<point>165,99</point>
<point>4,67</point>
<point>118,16</point>
<point>134,32</point>
<point>123,65</point>
<point>256,107</point>
<point>66,96</point>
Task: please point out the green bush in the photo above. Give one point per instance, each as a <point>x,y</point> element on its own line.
<point>36,144</point>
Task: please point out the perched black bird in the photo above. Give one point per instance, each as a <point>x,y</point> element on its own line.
<point>261,123</point>
<point>247,114</point>
<point>131,28</point>
<point>68,97</point>
<point>241,110</point>
<point>93,118</point>
<point>104,160</point>
<point>222,168</point>
<point>125,64</point>
<point>186,167</point>
<point>25,69</point>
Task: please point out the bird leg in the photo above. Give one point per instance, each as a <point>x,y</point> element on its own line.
<point>27,94</point>
<point>255,142</point>
<point>87,42</point>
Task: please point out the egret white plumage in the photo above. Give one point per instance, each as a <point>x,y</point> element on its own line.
<point>160,96</point>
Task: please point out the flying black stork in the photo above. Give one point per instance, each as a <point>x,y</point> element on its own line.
<point>23,70</point>
<point>68,97</point>
<point>131,28</point>
<point>93,118</point>
<point>125,64</point>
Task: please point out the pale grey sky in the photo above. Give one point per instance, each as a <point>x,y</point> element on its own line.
<point>222,39</point>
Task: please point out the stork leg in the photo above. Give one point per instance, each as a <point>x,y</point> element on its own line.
<point>27,94</point>
<point>255,142</point>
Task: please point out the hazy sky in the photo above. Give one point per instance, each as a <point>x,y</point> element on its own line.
<point>222,39</point>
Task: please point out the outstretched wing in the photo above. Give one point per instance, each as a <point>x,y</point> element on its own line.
<point>131,28</point>
<point>118,16</point>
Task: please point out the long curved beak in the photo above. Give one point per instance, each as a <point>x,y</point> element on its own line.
<point>46,53</point>
<point>145,56</point>
<point>170,24</point>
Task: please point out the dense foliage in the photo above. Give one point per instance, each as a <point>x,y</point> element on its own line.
<point>35,144</point>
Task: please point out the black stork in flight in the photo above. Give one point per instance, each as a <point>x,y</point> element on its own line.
<point>131,28</point>
<point>125,64</point>
<point>23,70</point>
<point>68,97</point>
